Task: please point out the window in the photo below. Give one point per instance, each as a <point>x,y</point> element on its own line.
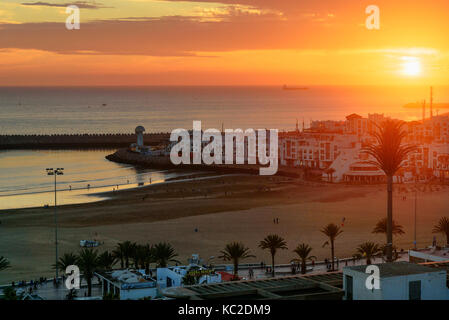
<point>414,290</point>
<point>349,288</point>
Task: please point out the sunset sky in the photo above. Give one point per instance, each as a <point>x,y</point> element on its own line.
<point>224,42</point>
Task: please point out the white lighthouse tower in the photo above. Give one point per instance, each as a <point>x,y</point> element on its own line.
<point>139,132</point>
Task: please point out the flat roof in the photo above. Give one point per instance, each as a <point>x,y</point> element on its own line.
<point>401,268</point>
<point>290,288</point>
<point>127,279</point>
<point>441,253</point>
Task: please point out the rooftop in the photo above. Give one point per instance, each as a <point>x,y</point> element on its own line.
<point>393,269</point>
<point>292,287</point>
<point>442,253</point>
<point>128,279</point>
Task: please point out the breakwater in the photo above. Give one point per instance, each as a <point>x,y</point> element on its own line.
<point>163,162</point>
<point>83,141</point>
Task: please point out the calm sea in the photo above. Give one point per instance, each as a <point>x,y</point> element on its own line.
<point>119,109</point>
<point>23,182</point>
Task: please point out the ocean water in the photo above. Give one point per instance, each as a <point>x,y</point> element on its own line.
<point>121,109</point>
<point>23,182</point>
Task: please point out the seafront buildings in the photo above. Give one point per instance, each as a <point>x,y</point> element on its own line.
<point>335,149</point>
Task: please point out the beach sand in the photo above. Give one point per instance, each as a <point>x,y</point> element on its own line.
<point>172,212</point>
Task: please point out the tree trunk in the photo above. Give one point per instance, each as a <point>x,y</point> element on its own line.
<point>236,269</point>
<point>390,219</point>
<point>272,265</point>
<point>303,267</point>
<point>89,286</point>
<point>368,261</point>
<point>332,253</point>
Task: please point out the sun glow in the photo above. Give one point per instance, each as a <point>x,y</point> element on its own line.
<point>411,66</point>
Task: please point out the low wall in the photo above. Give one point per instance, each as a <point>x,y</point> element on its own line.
<point>78,140</point>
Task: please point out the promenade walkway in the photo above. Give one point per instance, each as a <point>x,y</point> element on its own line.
<point>48,291</point>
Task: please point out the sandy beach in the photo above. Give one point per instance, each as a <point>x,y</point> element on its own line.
<point>222,209</point>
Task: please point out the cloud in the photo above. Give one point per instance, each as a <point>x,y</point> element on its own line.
<point>79,4</point>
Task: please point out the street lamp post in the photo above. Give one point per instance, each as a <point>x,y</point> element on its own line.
<point>416,206</point>
<point>55,172</point>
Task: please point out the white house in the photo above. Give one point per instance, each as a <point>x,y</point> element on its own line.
<point>173,276</point>
<point>127,284</point>
<point>398,281</point>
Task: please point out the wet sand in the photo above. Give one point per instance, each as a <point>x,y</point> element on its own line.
<point>235,208</point>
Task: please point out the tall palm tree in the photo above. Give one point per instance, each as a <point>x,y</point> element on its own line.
<point>389,153</point>
<point>443,227</point>
<point>273,242</point>
<point>66,260</point>
<point>106,260</point>
<point>368,250</point>
<point>331,231</point>
<point>164,253</point>
<point>4,263</point>
<point>381,227</point>
<point>88,264</point>
<point>235,251</point>
<point>303,252</point>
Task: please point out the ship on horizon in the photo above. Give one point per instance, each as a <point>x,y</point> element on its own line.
<point>285,87</point>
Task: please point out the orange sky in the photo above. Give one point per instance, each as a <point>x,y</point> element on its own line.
<point>224,42</point>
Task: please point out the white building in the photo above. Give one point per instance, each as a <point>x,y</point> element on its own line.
<point>139,145</point>
<point>173,276</point>
<point>128,284</point>
<point>398,281</point>
<point>336,149</point>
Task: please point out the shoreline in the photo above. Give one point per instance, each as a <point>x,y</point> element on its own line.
<point>223,209</point>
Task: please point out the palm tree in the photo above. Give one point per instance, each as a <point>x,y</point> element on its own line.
<point>88,264</point>
<point>331,231</point>
<point>235,251</point>
<point>443,227</point>
<point>119,254</point>
<point>381,227</point>
<point>148,257</point>
<point>303,251</point>
<point>106,260</point>
<point>273,242</point>
<point>66,260</point>
<point>126,248</point>
<point>389,154</point>
<point>368,250</point>
<point>164,253</point>
<point>4,263</point>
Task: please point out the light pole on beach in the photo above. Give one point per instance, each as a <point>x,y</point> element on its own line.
<point>55,172</point>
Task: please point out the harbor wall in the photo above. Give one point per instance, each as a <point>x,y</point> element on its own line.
<point>163,162</point>
<point>78,140</point>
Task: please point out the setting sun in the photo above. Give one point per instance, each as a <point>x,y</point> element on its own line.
<point>411,66</point>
